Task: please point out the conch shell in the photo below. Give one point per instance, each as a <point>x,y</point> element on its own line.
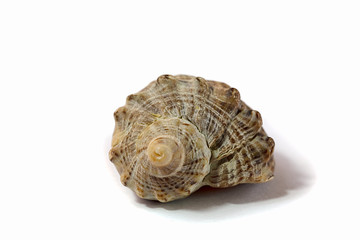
<point>183,132</point>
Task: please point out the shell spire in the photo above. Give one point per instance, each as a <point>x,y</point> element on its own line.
<point>183,132</point>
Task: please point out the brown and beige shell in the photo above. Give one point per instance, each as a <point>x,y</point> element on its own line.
<point>183,132</point>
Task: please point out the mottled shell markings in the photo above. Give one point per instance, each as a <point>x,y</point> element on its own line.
<point>183,132</point>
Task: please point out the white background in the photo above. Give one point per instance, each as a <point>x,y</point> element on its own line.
<point>65,66</point>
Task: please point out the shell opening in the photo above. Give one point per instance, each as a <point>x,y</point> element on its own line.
<point>164,150</point>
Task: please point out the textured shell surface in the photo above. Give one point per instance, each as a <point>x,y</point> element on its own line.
<point>183,132</point>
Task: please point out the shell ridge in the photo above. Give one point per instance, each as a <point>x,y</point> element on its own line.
<point>246,156</point>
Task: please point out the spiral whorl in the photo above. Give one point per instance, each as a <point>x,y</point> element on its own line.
<point>164,150</point>
<point>171,154</point>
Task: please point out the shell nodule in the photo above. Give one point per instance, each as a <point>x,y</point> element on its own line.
<point>183,132</point>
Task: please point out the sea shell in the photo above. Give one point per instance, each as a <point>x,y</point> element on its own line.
<point>183,132</point>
